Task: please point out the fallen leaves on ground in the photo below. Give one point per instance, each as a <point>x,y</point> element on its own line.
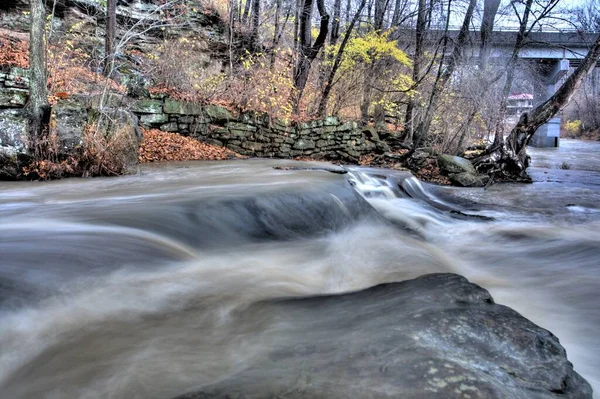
<point>14,52</point>
<point>430,172</point>
<point>163,146</point>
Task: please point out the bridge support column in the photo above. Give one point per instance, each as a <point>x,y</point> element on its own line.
<point>548,135</point>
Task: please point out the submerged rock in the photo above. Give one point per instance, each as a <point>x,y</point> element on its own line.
<point>437,336</point>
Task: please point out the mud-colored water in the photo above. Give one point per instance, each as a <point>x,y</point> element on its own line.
<point>127,287</point>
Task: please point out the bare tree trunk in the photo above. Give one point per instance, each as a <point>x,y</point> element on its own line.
<point>246,11</point>
<point>509,161</point>
<point>38,106</point>
<point>296,50</point>
<point>430,13</point>
<point>338,60</point>
<point>380,7</point>
<point>417,60</point>
<point>398,9</point>
<point>490,9</point>
<point>277,39</point>
<point>307,52</point>
<point>348,7</point>
<point>366,95</point>
<point>444,75</point>
<point>233,8</point>
<point>109,40</point>
<point>335,24</point>
<point>593,99</point>
<point>255,21</point>
<point>276,32</point>
<point>510,76</point>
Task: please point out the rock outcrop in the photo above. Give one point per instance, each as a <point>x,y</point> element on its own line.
<point>437,336</point>
<point>68,122</point>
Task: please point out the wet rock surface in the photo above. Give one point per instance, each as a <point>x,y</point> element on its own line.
<point>461,172</point>
<point>437,336</point>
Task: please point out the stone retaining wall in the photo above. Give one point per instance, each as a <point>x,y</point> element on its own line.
<point>256,134</point>
<point>249,133</point>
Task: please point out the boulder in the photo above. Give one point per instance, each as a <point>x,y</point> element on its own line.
<point>13,97</point>
<point>182,108</point>
<point>11,166</point>
<point>331,121</point>
<point>13,131</point>
<point>136,83</point>
<point>16,77</point>
<point>382,147</point>
<point>466,179</point>
<point>68,120</point>
<point>147,106</point>
<point>154,119</point>
<point>13,143</point>
<point>97,100</point>
<point>304,145</point>
<point>437,336</point>
<point>454,164</point>
<point>370,133</point>
<point>218,114</point>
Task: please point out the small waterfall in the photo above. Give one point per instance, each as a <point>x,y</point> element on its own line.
<point>374,186</point>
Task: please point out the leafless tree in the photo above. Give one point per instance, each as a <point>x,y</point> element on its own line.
<point>510,160</point>
<point>307,51</point>
<point>38,106</point>
<point>109,40</point>
<point>443,76</point>
<point>338,59</point>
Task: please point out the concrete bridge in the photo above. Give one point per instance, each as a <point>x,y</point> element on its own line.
<point>550,53</point>
<point>553,53</point>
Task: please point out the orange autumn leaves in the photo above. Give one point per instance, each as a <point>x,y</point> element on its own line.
<point>162,146</point>
<point>14,52</point>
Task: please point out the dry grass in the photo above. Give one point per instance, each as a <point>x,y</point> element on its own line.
<point>98,155</point>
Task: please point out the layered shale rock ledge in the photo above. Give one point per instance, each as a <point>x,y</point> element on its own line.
<point>68,121</point>
<point>437,336</point>
<point>14,91</point>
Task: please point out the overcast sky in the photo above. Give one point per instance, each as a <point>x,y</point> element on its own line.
<point>506,16</point>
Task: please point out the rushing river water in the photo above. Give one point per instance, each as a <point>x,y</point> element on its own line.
<point>129,287</point>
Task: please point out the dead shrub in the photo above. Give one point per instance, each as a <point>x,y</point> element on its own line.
<point>184,71</point>
<point>106,154</point>
<point>99,155</point>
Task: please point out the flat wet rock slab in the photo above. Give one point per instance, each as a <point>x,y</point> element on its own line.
<point>437,336</point>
